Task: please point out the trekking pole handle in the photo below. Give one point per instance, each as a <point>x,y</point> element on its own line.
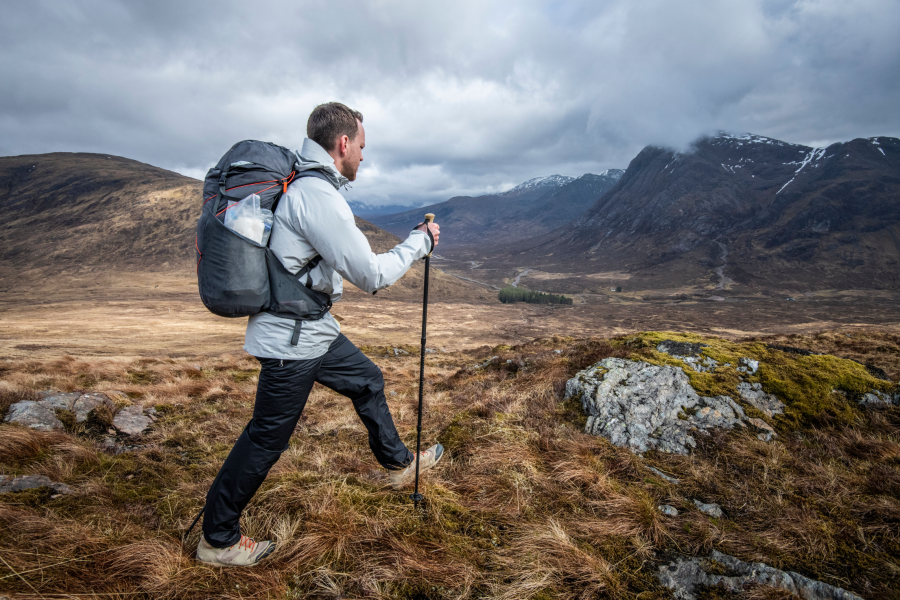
<point>429,218</point>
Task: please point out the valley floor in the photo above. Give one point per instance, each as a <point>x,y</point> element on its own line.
<point>525,506</point>
<point>153,314</point>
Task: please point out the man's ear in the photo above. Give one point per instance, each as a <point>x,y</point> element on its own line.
<point>343,144</point>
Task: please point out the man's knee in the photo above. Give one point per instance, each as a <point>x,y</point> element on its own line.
<point>376,379</point>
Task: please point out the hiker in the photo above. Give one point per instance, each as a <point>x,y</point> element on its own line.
<point>313,219</point>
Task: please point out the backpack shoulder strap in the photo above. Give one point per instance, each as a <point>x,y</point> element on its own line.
<point>312,264</point>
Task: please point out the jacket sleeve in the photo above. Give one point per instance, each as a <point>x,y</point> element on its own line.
<point>331,229</point>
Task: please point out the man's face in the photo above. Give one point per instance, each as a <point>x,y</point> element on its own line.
<point>352,158</point>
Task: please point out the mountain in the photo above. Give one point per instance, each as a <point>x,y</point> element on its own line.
<point>530,209</point>
<point>367,211</point>
<point>758,210</point>
<point>79,212</point>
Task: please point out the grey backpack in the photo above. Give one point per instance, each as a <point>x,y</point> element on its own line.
<point>238,277</point>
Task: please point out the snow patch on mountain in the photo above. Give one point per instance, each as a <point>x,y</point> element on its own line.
<point>553,181</point>
<point>614,174</point>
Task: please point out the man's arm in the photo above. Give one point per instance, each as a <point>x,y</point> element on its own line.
<point>331,229</point>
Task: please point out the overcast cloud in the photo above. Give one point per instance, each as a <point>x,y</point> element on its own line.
<point>467,97</point>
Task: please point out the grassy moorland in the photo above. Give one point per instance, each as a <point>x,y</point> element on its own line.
<point>526,505</point>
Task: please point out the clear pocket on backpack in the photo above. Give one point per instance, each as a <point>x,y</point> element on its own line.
<point>249,220</point>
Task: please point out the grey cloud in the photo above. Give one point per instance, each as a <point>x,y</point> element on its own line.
<point>461,98</point>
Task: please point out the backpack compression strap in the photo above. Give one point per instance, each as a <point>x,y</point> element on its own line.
<point>312,264</point>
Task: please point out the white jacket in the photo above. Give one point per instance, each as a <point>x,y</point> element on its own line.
<point>313,218</point>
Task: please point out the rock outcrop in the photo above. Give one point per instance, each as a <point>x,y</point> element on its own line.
<point>42,414</point>
<point>28,482</point>
<point>877,398</point>
<point>684,576</point>
<point>643,406</point>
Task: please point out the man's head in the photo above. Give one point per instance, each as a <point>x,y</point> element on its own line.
<point>339,130</point>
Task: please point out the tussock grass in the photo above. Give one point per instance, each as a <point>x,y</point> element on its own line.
<point>525,505</point>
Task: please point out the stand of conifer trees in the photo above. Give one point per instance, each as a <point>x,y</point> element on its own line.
<point>509,295</point>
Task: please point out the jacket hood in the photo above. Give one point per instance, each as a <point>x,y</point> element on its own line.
<point>313,157</point>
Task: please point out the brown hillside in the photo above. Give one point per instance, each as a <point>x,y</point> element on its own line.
<point>68,213</point>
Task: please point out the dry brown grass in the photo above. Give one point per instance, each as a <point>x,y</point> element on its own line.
<point>525,505</point>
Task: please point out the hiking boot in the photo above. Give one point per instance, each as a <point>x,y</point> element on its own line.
<point>245,553</point>
<point>403,477</point>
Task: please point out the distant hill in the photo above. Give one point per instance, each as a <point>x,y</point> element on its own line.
<point>77,211</point>
<point>533,208</point>
<point>761,211</point>
<point>367,211</point>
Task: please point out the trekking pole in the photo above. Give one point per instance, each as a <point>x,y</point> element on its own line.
<point>417,497</point>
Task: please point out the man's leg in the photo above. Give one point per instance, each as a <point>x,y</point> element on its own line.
<point>281,395</point>
<point>348,371</point>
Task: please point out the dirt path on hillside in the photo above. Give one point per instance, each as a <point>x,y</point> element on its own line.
<point>720,270</point>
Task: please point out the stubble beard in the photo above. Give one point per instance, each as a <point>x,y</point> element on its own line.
<point>349,171</point>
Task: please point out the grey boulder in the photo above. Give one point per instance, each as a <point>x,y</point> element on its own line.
<point>88,402</point>
<point>34,414</point>
<point>57,400</point>
<point>131,420</point>
<point>642,406</point>
<point>28,482</point>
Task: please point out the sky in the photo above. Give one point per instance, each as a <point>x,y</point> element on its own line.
<point>461,98</point>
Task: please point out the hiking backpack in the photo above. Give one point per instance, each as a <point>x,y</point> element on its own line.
<point>238,277</point>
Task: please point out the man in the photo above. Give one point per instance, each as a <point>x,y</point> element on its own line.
<point>313,219</point>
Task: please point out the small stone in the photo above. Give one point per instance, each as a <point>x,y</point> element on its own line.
<point>430,351</point>
<point>131,420</point>
<point>713,510</point>
<point>34,414</point>
<point>662,475</point>
<point>749,365</point>
<point>110,447</point>
<point>768,434</point>
<point>667,510</point>
<point>754,394</point>
<point>393,393</point>
<point>878,398</point>
<point>487,362</point>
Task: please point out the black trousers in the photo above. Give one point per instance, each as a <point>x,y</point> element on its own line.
<point>281,395</point>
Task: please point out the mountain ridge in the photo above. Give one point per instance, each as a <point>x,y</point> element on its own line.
<point>776,211</point>
<point>70,212</point>
<point>532,208</point>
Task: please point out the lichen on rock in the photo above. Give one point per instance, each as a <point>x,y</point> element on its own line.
<point>754,394</point>
<point>685,576</point>
<point>642,406</point>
